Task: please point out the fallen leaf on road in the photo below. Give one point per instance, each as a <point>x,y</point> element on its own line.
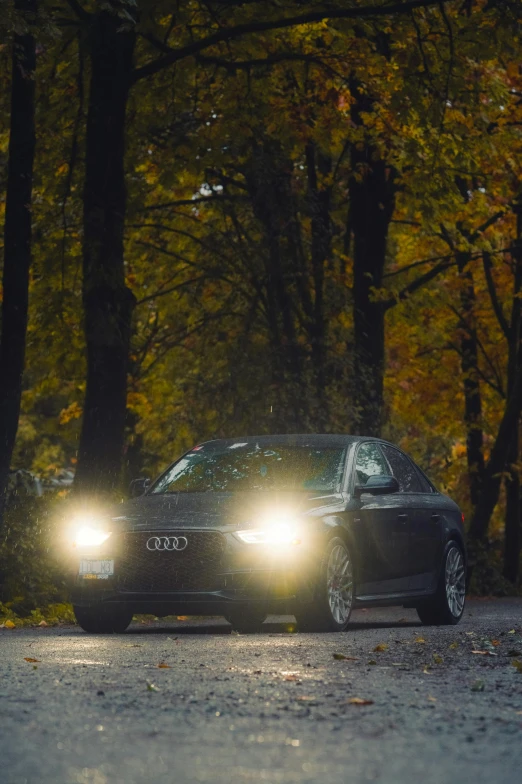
<point>477,686</point>
<point>485,653</point>
<point>432,699</point>
<point>454,646</point>
<point>152,687</point>
<point>9,625</point>
<point>42,623</point>
<point>495,643</point>
<point>437,659</point>
<point>426,670</point>
<point>29,659</point>
<point>511,631</point>
<point>517,664</point>
<point>380,647</point>
<point>342,657</point>
<point>360,701</point>
<point>420,639</point>
<point>163,666</point>
<point>291,678</point>
<point>372,661</point>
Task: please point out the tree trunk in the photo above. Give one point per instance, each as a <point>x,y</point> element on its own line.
<point>319,198</point>
<point>497,461</point>
<point>17,240</point>
<point>108,303</point>
<point>469,366</point>
<point>512,517</point>
<point>513,533</point>
<point>268,179</point>
<point>372,200</point>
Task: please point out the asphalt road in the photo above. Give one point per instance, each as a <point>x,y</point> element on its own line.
<point>273,707</point>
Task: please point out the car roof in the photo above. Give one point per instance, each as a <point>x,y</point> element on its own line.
<point>292,439</point>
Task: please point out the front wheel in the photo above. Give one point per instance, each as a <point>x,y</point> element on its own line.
<point>246,620</point>
<point>103,619</point>
<point>330,610</point>
<point>447,605</point>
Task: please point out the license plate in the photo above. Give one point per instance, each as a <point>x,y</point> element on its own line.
<point>96,570</point>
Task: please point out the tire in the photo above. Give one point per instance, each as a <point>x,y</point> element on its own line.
<point>246,620</point>
<point>447,605</point>
<point>332,605</point>
<point>103,619</point>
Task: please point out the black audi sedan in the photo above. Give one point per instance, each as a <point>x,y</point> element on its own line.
<point>312,525</point>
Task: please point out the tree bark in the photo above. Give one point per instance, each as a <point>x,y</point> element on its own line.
<point>108,303</point>
<point>513,533</point>
<point>497,461</point>
<point>319,198</point>
<point>469,366</point>
<point>17,240</point>
<point>372,201</point>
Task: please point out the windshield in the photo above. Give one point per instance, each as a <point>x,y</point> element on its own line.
<point>249,467</point>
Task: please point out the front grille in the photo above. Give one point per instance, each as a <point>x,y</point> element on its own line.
<point>193,569</point>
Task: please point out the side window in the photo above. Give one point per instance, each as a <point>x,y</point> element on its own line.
<point>425,485</point>
<point>403,470</point>
<point>369,462</point>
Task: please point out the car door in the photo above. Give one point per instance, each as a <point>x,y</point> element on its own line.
<point>423,518</point>
<point>381,529</point>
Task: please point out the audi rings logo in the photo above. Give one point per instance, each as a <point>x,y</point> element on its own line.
<point>169,543</point>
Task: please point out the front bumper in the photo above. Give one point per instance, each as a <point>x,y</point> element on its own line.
<point>215,573</point>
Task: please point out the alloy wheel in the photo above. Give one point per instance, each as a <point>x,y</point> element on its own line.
<point>340,584</point>
<point>455,581</point>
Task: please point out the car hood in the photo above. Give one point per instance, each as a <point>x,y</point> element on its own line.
<point>225,511</point>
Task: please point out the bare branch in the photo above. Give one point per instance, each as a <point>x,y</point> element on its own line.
<point>231,33</point>
<point>497,307</point>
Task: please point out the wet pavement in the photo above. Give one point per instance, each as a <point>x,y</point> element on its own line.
<point>388,701</point>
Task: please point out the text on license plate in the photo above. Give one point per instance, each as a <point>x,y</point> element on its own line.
<point>96,570</point>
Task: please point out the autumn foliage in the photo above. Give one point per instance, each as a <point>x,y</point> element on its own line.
<point>258,217</point>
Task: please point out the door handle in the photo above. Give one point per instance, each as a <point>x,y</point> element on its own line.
<point>435,517</point>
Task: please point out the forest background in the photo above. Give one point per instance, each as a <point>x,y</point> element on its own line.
<point>233,217</point>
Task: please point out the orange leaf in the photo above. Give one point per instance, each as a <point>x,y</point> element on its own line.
<point>360,701</point>
<point>163,666</point>
<point>28,659</point>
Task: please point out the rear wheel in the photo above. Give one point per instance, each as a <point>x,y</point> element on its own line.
<point>330,610</point>
<point>447,606</point>
<point>103,619</point>
<point>246,620</point>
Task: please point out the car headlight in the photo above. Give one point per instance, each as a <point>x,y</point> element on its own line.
<point>274,529</point>
<point>90,537</point>
<point>89,533</point>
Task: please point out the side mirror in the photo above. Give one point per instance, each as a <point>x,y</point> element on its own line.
<point>382,484</point>
<point>138,487</point>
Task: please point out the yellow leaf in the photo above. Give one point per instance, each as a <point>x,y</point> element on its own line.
<point>437,659</point>
<point>360,701</point>
<point>9,625</point>
<point>420,639</point>
<point>163,666</point>
<point>381,647</point>
<point>342,657</point>
<point>454,646</point>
